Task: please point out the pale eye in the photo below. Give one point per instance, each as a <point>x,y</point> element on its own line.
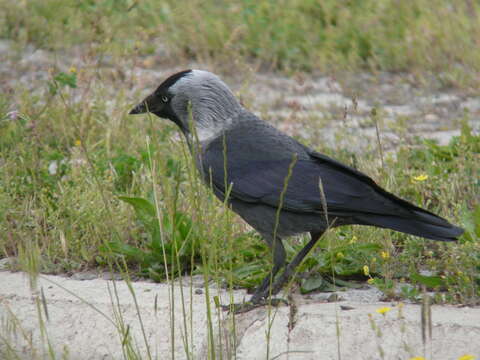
<point>165,98</point>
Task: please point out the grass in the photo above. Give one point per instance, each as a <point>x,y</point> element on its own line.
<point>77,189</point>
<point>83,186</point>
<point>434,36</point>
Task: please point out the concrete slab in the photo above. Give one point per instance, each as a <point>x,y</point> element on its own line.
<point>100,319</point>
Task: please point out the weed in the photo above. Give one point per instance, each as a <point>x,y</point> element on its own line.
<point>73,166</point>
<point>290,35</point>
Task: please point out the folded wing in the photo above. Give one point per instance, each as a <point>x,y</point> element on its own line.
<point>348,193</point>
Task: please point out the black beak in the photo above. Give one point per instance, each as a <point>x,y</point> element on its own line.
<point>139,109</point>
<point>147,105</point>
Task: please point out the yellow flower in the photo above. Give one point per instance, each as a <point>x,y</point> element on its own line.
<point>370,281</point>
<point>340,255</point>
<point>353,239</point>
<point>467,357</point>
<point>417,358</point>
<point>383,310</point>
<point>385,255</point>
<point>73,69</point>
<point>78,142</point>
<point>420,178</point>
<point>366,270</point>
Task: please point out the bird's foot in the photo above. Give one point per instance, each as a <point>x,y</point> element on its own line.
<point>248,306</point>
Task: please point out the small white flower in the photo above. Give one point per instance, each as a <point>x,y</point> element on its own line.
<point>13,115</point>
<point>53,167</point>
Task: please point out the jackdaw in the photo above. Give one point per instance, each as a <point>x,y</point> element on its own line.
<point>277,185</point>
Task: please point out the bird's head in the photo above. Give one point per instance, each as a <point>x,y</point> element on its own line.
<point>195,96</point>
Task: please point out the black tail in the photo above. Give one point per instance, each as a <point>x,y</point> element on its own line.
<point>421,223</point>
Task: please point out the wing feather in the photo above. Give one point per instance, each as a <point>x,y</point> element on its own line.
<point>262,181</point>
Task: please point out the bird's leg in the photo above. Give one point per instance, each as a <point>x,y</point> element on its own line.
<point>290,269</point>
<point>279,257</point>
<point>265,285</point>
<point>263,290</point>
<point>271,286</point>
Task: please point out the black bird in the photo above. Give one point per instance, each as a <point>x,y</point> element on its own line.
<point>262,162</point>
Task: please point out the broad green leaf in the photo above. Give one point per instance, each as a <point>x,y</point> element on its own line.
<point>143,208</point>
<point>430,281</point>
<point>316,283</point>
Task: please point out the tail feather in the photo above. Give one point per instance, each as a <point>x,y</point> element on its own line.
<point>423,224</point>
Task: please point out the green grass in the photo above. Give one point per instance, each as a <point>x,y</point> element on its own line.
<point>426,35</point>
<point>84,186</point>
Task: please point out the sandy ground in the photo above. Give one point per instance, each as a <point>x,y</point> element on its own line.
<point>84,317</point>
<point>339,105</point>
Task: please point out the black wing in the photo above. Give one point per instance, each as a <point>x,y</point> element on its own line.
<point>257,166</point>
<point>257,172</point>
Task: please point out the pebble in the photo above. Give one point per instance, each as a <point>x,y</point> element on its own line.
<point>85,275</point>
<point>431,118</point>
